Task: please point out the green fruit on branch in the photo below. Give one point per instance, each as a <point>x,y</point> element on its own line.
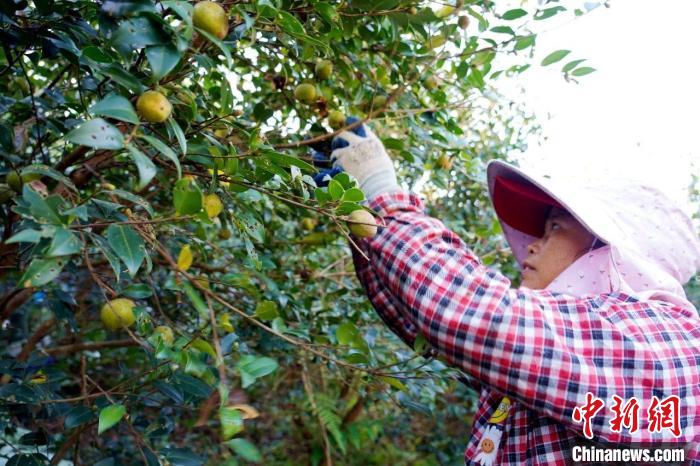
<point>154,107</point>
<point>305,92</point>
<point>225,234</point>
<point>444,162</point>
<point>413,10</point>
<point>362,224</point>
<point>324,69</point>
<point>431,82</point>
<point>118,313</point>
<point>6,193</point>
<point>309,223</point>
<point>463,22</point>
<point>212,18</point>
<point>166,334</point>
<point>14,180</point>
<point>336,119</point>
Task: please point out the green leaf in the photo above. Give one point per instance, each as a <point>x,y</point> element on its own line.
<point>266,310</point>
<point>327,12</point>
<point>117,107</point>
<point>287,160</point>
<point>346,333</point>
<point>27,459</point>
<point>45,170</point>
<point>175,129</point>
<point>290,24</point>
<point>572,64</point>
<point>251,367</point>
<point>96,54</point>
<point>191,385</point>
<point>555,57</point>
<point>112,258</point>
<point>163,59</point>
<point>196,300</point>
<point>25,236</point>
<point>525,42</point>
<point>187,197</point>
<point>147,170</point>
<point>514,14</point>
<point>97,134</point>
<point>44,210</point>
<point>128,245</point>
<point>231,421</point>
<point>138,291</point>
<point>42,271</point>
<point>584,70</point>
<point>64,243</point>
<point>182,457</point>
<point>353,195</point>
<point>110,416</point>
<point>78,415</point>
<point>204,346</point>
<point>396,383</point>
<point>503,30</point>
<point>548,12</point>
<point>245,449</point>
<point>165,150</point>
<point>223,47</point>
<point>335,190</point>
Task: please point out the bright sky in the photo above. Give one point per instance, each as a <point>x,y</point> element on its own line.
<point>638,114</point>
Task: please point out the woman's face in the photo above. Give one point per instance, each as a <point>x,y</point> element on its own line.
<point>564,241</point>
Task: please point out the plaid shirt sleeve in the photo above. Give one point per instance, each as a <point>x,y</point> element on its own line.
<point>543,349</point>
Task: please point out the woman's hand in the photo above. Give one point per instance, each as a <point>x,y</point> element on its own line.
<point>360,153</point>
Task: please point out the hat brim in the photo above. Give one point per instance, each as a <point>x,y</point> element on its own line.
<point>519,201</point>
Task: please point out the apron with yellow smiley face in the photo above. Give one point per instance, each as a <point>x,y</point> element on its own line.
<point>491,439</point>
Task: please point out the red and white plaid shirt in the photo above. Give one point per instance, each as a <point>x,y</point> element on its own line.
<point>544,350</point>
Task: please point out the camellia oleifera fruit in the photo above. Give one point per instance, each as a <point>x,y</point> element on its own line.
<point>324,69</point>
<point>212,18</point>
<point>336,119</point>
<point>224,234</point>
<point>431,82</point>
<point>213,205</point>
<point>118,313</point>
<point>444,162</point>
<point>14,180</point>
<point>166,334</point>
<point>305,92</point>
<point>154,107</point>
<point>362,224</point>
<point>463,22</point>
<point>309,223</point>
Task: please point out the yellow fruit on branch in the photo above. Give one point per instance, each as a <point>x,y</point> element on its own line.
<point>118,313</point>
<point>309,223</point>
<point>362,224</point>
<point>336,119</point>
<point>185,258</point>
<point>324,69</point>
<point>166,334</point>
<point>154,107</point>
<point>213,205</point>
<point>444,162</point>
<point>305,92</point>
<point>212,18</point>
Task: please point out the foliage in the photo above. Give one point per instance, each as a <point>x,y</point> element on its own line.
<point>273,354</point>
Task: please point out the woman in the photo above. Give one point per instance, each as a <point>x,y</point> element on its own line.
<point>600,314</point>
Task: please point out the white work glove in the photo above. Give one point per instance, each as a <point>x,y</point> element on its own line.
<point>360,153</point>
